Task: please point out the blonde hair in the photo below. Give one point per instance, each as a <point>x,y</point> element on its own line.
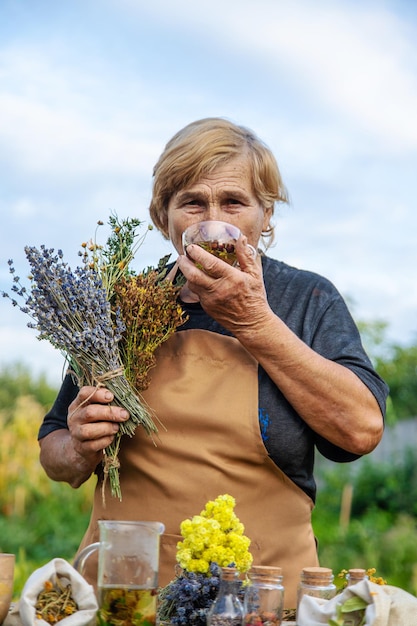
<point>197,150</point>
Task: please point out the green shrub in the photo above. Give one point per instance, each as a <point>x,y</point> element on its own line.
<point>52,526</point>
<point>16,380</point>
<point>381,528</point>
<point>390,486</point>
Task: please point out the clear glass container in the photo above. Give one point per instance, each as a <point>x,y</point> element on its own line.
<point>316,582</point>
<point>227,609</point>
<point>355,618</point>
<point>355,576</point>
<point>264,597</point>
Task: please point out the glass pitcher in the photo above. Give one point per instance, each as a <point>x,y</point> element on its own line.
<point>128,564</point>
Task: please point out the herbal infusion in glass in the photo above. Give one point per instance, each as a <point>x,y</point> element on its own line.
<point>218,238</point>
<point>126,606</point>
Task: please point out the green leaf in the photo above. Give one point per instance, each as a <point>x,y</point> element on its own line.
<point>354,604</point>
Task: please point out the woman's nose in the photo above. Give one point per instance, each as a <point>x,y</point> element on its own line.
<point>213,212</point>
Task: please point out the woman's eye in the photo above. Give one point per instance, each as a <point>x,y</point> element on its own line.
<point>193,206</point>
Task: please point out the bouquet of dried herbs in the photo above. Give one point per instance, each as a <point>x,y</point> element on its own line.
<point>105,319</point>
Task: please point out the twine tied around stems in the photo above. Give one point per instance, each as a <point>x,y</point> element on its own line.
<point>100,380</point>
<point>99,383</point>
<point>109,462</point>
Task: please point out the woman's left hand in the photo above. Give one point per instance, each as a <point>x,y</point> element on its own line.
<point>234,296</point>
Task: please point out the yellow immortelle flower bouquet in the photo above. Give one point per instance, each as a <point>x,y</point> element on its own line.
<point>211,540</point>
<point>214,536</point>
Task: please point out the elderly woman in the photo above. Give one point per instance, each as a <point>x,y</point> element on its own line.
<point>268,367</point>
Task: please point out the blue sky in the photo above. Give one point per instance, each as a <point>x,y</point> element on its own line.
<point>91,90</point>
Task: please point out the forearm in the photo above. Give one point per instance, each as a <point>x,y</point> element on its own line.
<point>329,397</point>
<point>60,460</point>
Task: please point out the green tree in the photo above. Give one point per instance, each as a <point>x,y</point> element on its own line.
<point>16,380</point>
<point>400,372</point>
<point>396,364</point>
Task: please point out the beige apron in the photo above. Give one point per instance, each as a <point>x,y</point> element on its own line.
<point>204,390</point>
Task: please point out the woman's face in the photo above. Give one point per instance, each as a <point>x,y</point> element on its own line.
<point>226,195</point>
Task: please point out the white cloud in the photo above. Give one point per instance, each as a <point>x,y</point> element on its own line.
<point>60,121</point>
<point>23,208</point>
<point>358,62</point>
<point>63,143</point>
<point>356,59</point>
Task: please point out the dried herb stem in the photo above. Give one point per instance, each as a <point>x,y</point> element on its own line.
<point>55,601</point>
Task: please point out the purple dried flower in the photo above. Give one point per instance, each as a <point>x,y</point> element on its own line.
<point>187,599</point>
<point>70,309</point>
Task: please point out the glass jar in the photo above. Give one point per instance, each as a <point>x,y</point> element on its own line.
<point>264,597</point>
<point>227,609</point>
<point>355,617</point>
<point>316,582</point>
<point>355,576</point>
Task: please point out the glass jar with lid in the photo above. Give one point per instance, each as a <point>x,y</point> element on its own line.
<point>355,575</point>
<point>264,597</point>
<point>316,582</point>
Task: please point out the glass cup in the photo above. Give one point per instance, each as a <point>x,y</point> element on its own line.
<point>218,238</point>
<point>7,562</point>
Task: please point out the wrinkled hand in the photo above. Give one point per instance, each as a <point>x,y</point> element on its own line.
<point>234,296</point>
<point>93,423</point>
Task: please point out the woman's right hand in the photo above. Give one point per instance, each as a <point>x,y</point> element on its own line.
<point>72,455</point>
<point>93,421</point>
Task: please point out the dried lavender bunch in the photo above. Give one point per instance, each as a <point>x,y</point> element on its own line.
<point>187,599</point>
<point>70,309</point>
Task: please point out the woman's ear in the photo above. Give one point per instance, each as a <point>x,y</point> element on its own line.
<point>267,219</point>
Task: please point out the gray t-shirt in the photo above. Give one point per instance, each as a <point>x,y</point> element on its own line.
<point>315,311</point>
